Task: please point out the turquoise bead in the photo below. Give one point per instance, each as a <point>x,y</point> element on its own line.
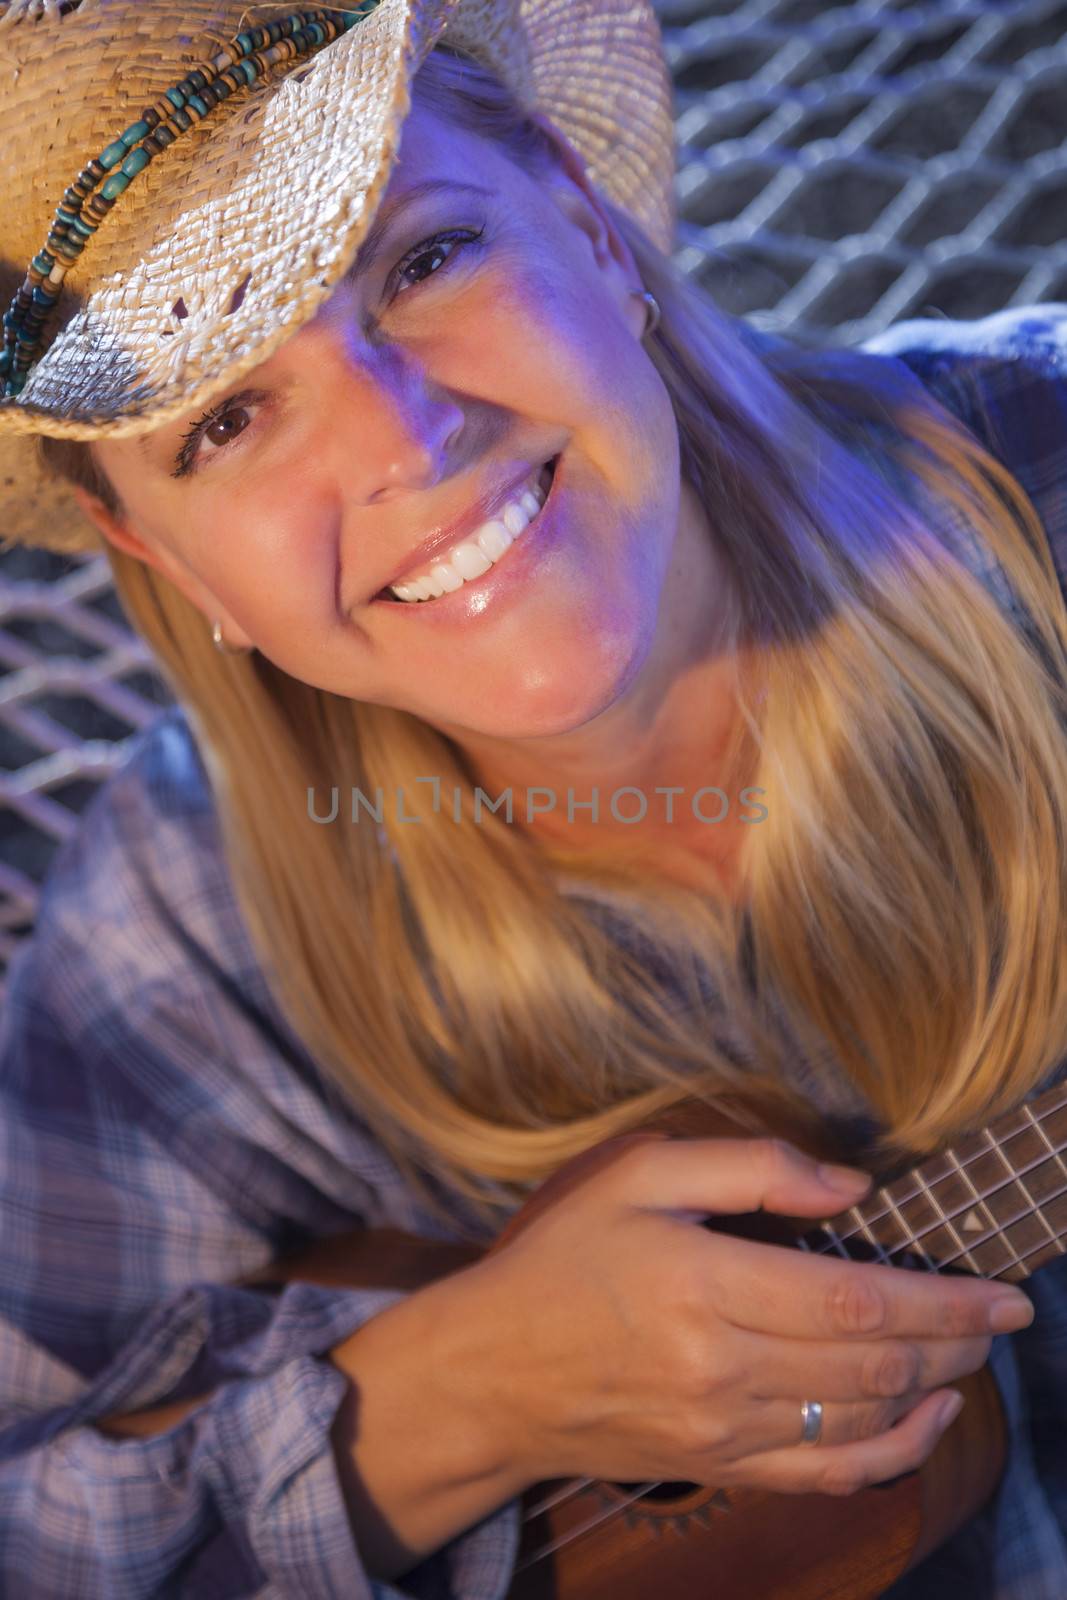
<point>244,43</point>
<point>115,185</point>
<point>65,214</point>
<point>176,97</point>
<point>135,133</point>
<point>112,155</point>
<point>248,69</point>
<point>43,261</point>
<point>135,162</point>
<point>84,228</point>
<point>198,104</point>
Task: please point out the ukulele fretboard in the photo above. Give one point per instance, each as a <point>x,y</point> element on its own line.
<point>995,1204</point>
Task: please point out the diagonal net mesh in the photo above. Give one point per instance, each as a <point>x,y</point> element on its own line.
<point>840,168</point>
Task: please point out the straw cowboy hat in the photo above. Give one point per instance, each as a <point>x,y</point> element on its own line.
<point>185,182</point>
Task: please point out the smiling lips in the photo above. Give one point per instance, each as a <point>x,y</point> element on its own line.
<point>473,554</point>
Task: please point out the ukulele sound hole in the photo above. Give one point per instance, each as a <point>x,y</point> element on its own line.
<point>662,1491</point>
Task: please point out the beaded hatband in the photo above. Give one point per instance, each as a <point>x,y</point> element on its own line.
<point>82,210</point>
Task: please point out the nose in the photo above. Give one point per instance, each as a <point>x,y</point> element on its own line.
<point>389,424</point>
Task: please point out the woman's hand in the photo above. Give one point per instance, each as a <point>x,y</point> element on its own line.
<point>615,1338</point>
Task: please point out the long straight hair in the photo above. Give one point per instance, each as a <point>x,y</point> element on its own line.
<point>905,905</point>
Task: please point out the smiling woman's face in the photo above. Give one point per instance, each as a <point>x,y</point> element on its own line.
<point>418,391</point>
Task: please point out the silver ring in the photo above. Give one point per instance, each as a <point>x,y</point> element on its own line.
<point>811,1416</point>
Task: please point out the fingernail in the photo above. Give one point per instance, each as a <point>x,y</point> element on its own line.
<point>950,1410</point>
<point>1010,1314</point>
<point>843,1180</point>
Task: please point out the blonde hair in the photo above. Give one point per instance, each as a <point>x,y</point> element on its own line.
<point>906,904</point>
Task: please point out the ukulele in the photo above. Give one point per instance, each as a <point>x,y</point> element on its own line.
<point>993,1206</point>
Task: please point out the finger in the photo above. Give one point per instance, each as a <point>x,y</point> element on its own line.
<point>710,1176</point>
<point>775,1289</point>
<point>842,1469</point>
<point>851,1371</point>
<point>776,1425</point>
<point>733,1176</point>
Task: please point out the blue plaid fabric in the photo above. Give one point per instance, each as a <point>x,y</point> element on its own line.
<point>163,1133</point>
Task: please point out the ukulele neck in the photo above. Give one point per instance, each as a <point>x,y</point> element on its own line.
<point>994,1204</point>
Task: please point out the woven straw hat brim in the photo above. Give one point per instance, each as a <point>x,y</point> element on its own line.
<point>234,236</point>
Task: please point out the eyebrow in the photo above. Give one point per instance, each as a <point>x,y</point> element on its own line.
<point>390,208</point>
<point>371,246</point>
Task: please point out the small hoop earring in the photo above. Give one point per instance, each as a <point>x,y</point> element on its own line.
<point>654,313</point>
<point>227,649</point>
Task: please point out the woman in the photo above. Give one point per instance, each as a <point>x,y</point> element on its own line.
<point>249,1020</point>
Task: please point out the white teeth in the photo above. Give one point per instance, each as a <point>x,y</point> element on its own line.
<point>516,517</point>
<point>496,537</point>
<point>448,579</point>
<point>477,555</point>
<point>469,561</point>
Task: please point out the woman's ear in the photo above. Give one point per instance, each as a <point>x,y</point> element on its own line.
<point>111,528</point>
<point>583,204</point>
<point>119,532</point>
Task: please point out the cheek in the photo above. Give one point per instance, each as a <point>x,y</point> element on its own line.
<point>274,565</point>
<point>552,334</point>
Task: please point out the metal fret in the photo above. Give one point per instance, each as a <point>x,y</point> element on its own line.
<point>838,1244</point>
<point>1039,1128</point>
<point>883,1254</point>
<point>1031,1202</point>
<point>981,1202</point>
<point>946,1220</point>
<point>909,1232</point>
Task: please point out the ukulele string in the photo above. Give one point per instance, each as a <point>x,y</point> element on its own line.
<point>599,1519</point>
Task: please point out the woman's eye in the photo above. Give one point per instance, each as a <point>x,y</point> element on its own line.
<point>430,248</point>
<point>220,427</point>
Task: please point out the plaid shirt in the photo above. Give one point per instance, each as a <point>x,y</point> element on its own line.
<point>163,1133</point>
